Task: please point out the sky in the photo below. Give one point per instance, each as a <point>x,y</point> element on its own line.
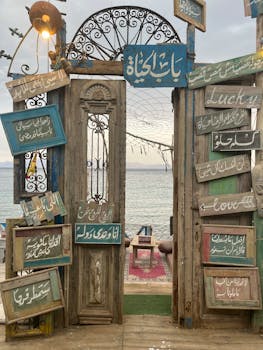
<point>229,34</point>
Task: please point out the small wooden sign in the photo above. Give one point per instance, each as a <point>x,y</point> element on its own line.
<point>257,184</point>
<point>33,85</point>
<point>98,233</point>
<point>31,295</point>
<point>43,208</point>
<point>41,247</point>
<point>229,245</point>
<point>227,166</point>
<point>244,140</point>
<point>225,70</point>
<point>227,96</point>
<point>225,119</point>
<point>33,129</point>
<point>93,212</point>
<point>155,65</point>
<point>232,288</point>
<point>227,204</point>
<point>191,11</point>
<point>255,8</point>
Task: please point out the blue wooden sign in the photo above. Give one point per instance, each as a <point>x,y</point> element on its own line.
<point>98,233</point>
<point>191,11</point>
<point>256,7</point>
<point>155,65</point>
<point>33,129</point>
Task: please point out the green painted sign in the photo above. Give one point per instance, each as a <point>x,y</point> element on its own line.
<point>98,233</point>
<point>222,71</point>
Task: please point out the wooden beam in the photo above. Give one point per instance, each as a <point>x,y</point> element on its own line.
<point>94,67</point>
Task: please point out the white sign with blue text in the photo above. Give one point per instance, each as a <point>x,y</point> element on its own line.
<point>155,65</point>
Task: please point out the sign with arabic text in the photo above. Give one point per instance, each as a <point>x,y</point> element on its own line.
<point>33,129</point>
<point>221,120</point>
<point>253,8</point>
<point>232,288</point>
<point>33,85</point>
<point>228,166</point>
<point>227,204</point>
<point>244,140</point>
<point>98,233</point>
<point>229,245</point>
<point>31,295</point>
<point>191,11</point>
<point>225,70</point>
<point>155,65</point>
<point>43,208</point>
<point>232,96</point>
<point>94,212</point>
<point>42,246</point>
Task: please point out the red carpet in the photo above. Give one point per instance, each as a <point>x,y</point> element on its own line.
<point>142,271</point>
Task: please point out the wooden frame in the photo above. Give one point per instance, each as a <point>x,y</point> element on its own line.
<point>33,129</point>
<point>229,245</point>
<point>232,288</point>
<point>41,247</point>
<point>186,13</point>
<point>31,295</point>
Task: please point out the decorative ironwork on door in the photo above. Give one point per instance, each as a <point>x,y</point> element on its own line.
<point>97,156</point>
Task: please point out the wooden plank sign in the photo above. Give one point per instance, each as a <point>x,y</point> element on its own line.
<point>225,119</point>
<point>43,208</point>
<point>41,247</point>
<point>93,212</point>
<point>191,11</point>
<point>229,245</point>
<point>225,70</point>
<point>31,295</point>
<point>232,288</point>
<point>227,96</point>
<point>98,233</point>
<point>256,7</point>
<point>219,168</point>
<point>155,65</point>
<point>257,184</point>
<point>33,85</point>
<point>244,140</point>
<point>227,204</point>
<point>33,129</point>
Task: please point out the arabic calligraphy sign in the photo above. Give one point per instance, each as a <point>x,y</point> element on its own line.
<point>33,129</point>
<point>155,65</point>
<point>229,245</point>
<point>219,168</point>
<point>191,11</point>
<point>225,119</point>
<point>43,246</point>
<point>253,8</point>
<point>225,70</point>
<point>98,233</point>
<point>232,288</point>
<point>227,204</point>
<point>226,96</point>
<point>244,140</point>
<point>31,295</point>
<point>93,212</point>
<point>43,208</point>
<point>33,85</point>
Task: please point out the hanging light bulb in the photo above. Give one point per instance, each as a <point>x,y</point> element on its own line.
<point>45,18</point>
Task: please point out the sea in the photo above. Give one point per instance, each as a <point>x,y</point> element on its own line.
<point>149,200</point>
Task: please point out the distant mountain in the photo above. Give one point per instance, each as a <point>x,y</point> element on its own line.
<point>6,164</point>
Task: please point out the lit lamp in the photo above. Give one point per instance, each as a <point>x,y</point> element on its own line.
<point>45,18</point>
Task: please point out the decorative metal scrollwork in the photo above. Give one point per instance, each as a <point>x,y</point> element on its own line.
<point>97,156</point>
<point>106,33</point>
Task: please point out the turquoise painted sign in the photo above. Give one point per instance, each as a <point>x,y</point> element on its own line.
<point>98,233</point>
<point>225,70</point>
<point>155,65</point>
<point>256,7</point>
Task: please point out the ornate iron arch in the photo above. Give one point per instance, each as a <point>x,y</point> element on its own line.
<point>106,33</point>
